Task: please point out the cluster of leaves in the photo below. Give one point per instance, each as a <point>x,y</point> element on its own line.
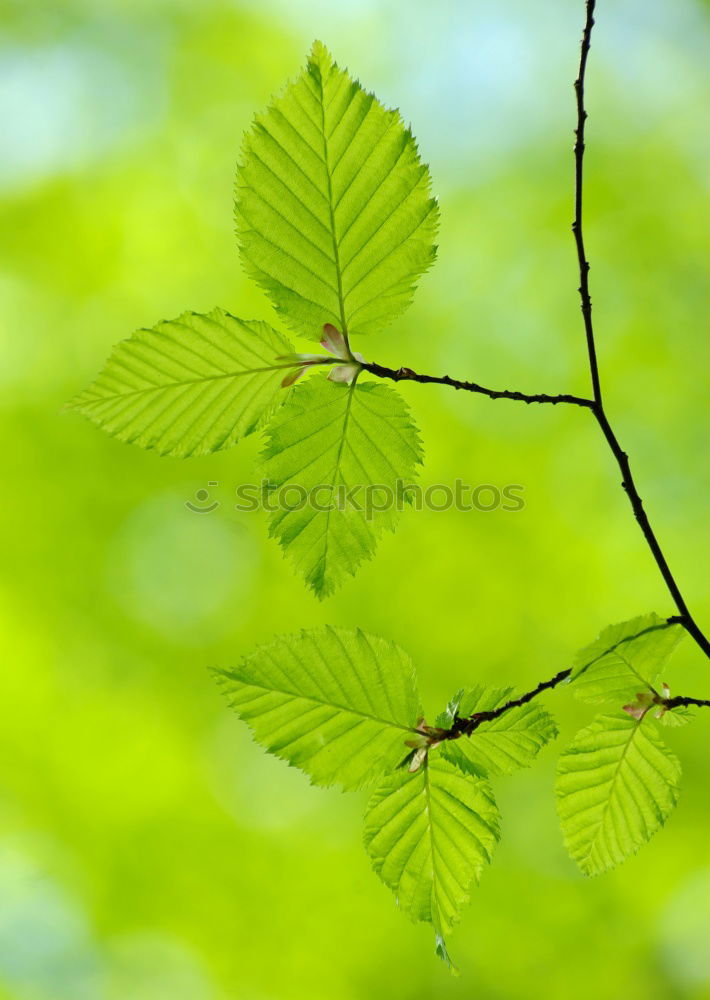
<point>617,782</point>
<point>336,223</point>
<point>343,707</point>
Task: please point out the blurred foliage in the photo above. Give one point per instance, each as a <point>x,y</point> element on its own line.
<point>148,849</point>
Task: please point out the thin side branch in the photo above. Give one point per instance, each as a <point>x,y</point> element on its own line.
<point>407,375</point>
<point>683,701</point>
<point>595,404</point>
<point>467,726</point>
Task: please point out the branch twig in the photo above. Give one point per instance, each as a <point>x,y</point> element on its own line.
<point>681,700</point>
<point>407,375</point>
<point>467,726</point>
<point>595,404</point>
<point>622,459</point>
<point>577,227</point>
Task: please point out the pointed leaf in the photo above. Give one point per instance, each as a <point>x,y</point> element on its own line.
<point>617,783</point>
<point>336,703</point>
<point>334,214</point>
<point>191,385</point>
<point>626,659</point>
<point>502,745</point>
<point>323,450</point>
<point>429,835</point>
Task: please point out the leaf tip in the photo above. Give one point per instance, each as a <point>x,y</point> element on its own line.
<point>443,953</point>
<point>319,55</point>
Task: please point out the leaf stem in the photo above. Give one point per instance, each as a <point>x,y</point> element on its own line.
<point>468,725</point>
<point>683,701</point>
<point>407,375</point>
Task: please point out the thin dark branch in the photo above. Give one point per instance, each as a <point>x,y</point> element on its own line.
<point>629,486</point>
<point>407,375</point>
<point>596,405</point>
<point>577,226</point>
<point>617,451</point>
<point>683,701</point>
<point>467,726</point>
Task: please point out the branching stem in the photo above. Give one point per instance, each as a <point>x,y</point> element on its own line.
<point>468,725</point>
<point>595,404</point>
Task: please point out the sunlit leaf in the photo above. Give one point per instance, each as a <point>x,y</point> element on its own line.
<point>626,658</point>
<point>324,450</point>
<point>676,717</point>
<point>336,703</point>
<point>429,834</point>
<point>617,783</point>
<point>502,745</point>
<point>191,385</point>
<point>334,213</point>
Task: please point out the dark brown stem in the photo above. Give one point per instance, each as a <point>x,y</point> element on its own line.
<point>577,228</point>
<point>407,375</point>
<point>468,725</point>
<point>629,486</point>
<point>683,701</point>
<point>617,451</point>
<point>595,404</point>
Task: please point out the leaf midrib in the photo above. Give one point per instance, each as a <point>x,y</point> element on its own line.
<point>614,779</point>
<point>183,382</point>
<point>336,469</point>
<point>331,208</point>
<point>320,701</point>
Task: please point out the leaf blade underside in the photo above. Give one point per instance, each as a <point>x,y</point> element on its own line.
<point>336,703</point>
<point>332,441</point>
<point>616,785</point>
<point>334,215</point>
<point>625,659</point>
<point>502,745</point>
<point>189,386</point>
<point>429,835</point>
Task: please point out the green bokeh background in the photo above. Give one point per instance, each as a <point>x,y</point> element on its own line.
<point>148,850</point>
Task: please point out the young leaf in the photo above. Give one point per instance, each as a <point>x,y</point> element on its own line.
<point>429,834</point>
<point>617,783</point>
<point>338,704</point>
<point>675,717</point>
<point>502,745</point>
<point>625,659</point>
<point>191,385</point>
<point>324,449</point>
<point>334,214</point>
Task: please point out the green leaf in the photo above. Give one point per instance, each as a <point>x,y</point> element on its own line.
<point>625,659</point>
<point>336,703</point>
<point>334,214</point>
<point>191,385</point>
<point>429,835</point>
<point>616,785</point>
<point>323,450</point>
<point>676,717</point>
<point>502,745</point>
